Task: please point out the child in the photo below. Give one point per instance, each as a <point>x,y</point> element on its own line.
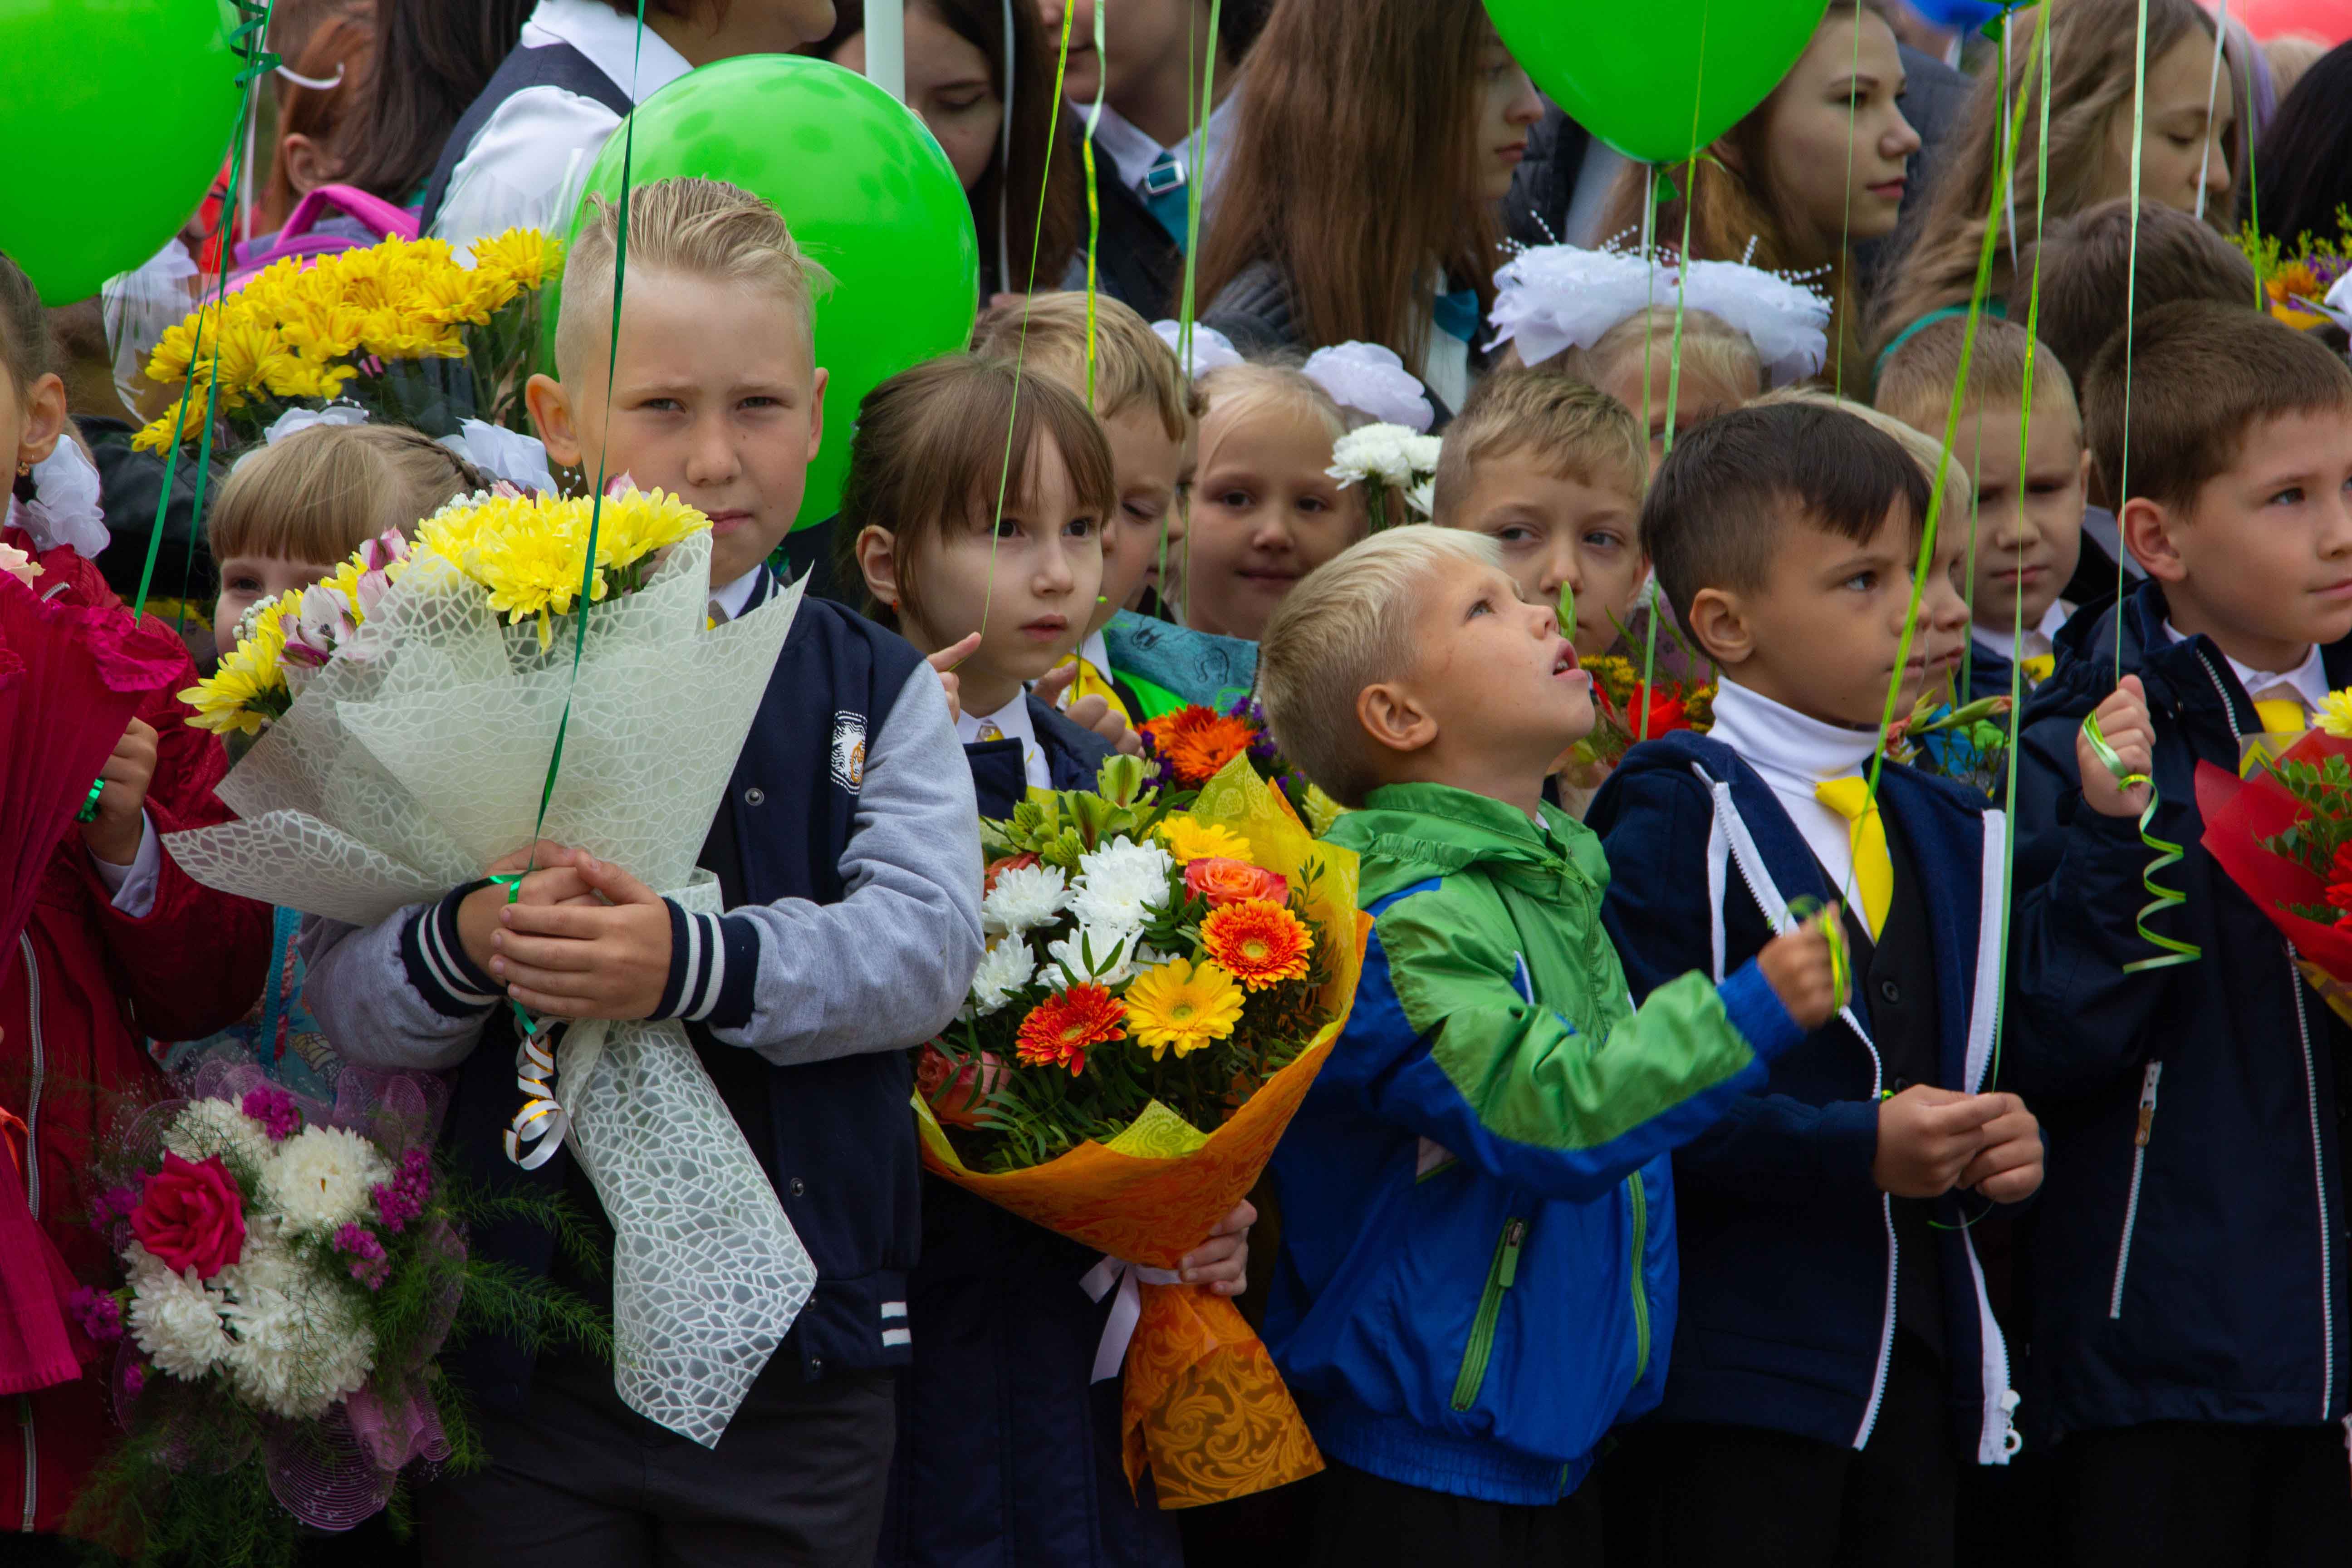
<point>121,946</point>
<point>2030,525</point>
<point>920,529</point>
<point>1477,1262</point>
<point>1837,1362</point>
<point>844,849</point>
<point>2190,1333</point>
<point>1265,510</point>
<point>1634,364</point>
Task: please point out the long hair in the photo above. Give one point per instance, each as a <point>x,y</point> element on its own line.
<point>2302,170</point>
<point>433,59</point>
<point>2091,47</point>
<point>1353,167</point>
<point>1060,188</point>
<point>338,53</point>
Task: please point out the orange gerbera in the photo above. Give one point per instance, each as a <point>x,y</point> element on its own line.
<point>1195,742</point>
<point>1058,1030</point>
<point>1258,943</point>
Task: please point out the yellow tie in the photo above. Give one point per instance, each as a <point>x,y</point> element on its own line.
<point>989,731</point>
<point>1093,682</point>
<point>2280,708</point>
<point>1874,868</point>
<point>2037,670</point>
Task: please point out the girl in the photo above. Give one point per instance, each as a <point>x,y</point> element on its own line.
<point>956,69</point>
<point>1007,1452</point>
<point>1362,196</point>
<point>2188,155</point>
<point>432,57</point>
<point>1265,510</point>
<point>1788,180</point>
<point>2302,174</point>
<point>286,517</point>
<point>1720,369</point>
<point>120,945</point>
<point>318,91</point>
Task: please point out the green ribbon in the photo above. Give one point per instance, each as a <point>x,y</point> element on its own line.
<point>1810,910</point>
<point>2169,855</point>
<point>1566,606</point>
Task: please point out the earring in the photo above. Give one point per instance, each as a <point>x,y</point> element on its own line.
<point>23,469</point>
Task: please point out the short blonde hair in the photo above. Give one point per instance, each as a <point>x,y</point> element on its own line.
<point>1578,432</point>
<point>1710,345</point>
<point>320,493</point>
<point>1133,368</point>
<point>1916,383</point>
<point>1346,625</point>
<point>1251,383</point>
<point>1925,450</point>
<point>696,228</point>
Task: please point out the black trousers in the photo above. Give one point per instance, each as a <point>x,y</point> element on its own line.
<point>1703,1497</point>
<point>1364,1521</point>
<point>2210,1495</point>
<point>582,1481</point>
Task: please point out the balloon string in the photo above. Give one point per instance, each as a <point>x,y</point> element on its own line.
<point>2131,298</point>
<point>2169,855</point>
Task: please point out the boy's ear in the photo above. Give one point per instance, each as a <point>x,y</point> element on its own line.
<point>1394,718</point>
<point>45,420</point>
<point>2083,475</point>
<point>816,411</point>
<point>1719,626</point>
<point>551,412</point>
<point>877,563</point>
<point>2146,528</point>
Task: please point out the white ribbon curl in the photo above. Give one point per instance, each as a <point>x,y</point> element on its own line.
<point>1111,1351</point>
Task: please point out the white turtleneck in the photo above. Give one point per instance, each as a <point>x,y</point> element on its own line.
<point>1793,752</point>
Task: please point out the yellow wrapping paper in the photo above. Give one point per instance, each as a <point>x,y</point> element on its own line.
<point>1202,1404</point>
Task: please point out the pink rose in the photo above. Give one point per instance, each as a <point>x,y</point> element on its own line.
<point>1223,882</point>
<point>965,1090</point>
<point>192,1216</point>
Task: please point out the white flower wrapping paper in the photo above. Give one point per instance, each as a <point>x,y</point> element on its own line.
<point>414,759</point>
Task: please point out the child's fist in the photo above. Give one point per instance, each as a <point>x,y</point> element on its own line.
<point>2124,723</point>
<point>2008,1168</point>
<point>945,662</point>
<point>1799,970</point>
<point>113,835</point>
<point>1928,1136</point>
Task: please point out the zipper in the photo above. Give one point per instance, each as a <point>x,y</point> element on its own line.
<point>2311,1100</point>
<point>32,1200</point>
<point>1481,1346</point>
<point>1641,1297</point>
<point>2139,1165</point>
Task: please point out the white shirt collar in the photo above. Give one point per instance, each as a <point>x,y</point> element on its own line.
<point>1012,722</point>
<point>2309,678</point>
<point>1096,650</point>
<point>733,597</point>
<point>1133,152</point>
<point>2038,641</point>
<point>609,40</point>
<point>1792,753</point>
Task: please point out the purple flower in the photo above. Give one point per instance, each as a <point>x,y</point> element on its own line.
<point>99,1313</point>
<point>274,1109</point>
<point>369,1266</point>
<point>134,1378</point>
<point>402,1199</point>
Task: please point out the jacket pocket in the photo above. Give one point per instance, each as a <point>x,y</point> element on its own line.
<point>2131,1203</point>
<point>1500,1273</point>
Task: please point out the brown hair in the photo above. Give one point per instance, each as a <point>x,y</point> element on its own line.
<point>1348,167</point>
<point>1916,386</point>
<point>2198,376</point>
<point>2092,44</point>
<point>1133,367</point>
<point>930,453</point>
<point>1710,345</point>
<point>1578,432</point>
<point>2087,271</point>
<point>433,59</point>
<point>24,328</point>
<point>320,493</point>
<point>338,50</point>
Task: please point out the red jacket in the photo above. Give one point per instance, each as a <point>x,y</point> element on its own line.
<point>85,988</point>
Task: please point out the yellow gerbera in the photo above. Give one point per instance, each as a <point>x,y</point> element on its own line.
<point>2335,714</point>
<point>1182,1006</point>
<point>248,688</point>
<point>1190,839</point>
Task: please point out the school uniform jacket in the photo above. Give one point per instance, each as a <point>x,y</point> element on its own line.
<point>1789,1251</point>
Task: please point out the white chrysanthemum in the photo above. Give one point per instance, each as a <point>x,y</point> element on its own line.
<point>1025,898</point>
<point>1106,955</point>
<point>318,1179</point>
<point>1003,970</point>
<point>1123,883</point>
<point>297,1343</point>
<point>209,1127</point>
<point>174,1319</point>
<point>1391,454</point>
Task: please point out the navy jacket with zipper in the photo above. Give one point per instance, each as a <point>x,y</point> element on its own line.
<point>2191,1253</point>
<point>1788,1244</point>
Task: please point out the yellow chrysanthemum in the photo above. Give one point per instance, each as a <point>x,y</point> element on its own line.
<point>176,424</point>
<point>525,256</point>
<point>1181,1007</point>
<point>248,688</point>
<point>1190,839</point>
<point>2335,714</point>
<point>531,552</point>
<point>635,524</point>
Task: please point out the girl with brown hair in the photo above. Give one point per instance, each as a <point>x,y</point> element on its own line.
<point>1361,200</point>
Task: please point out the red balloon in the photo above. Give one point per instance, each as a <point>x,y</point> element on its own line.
<point>2329,21</point>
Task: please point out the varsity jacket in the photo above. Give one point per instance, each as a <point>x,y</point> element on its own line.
<point>1477,1275</point>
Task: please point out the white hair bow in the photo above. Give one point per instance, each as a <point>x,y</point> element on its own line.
<point>1550,298</point>
<point>1211,350</point>
<point>1373,380</point>
<point>64,509</point>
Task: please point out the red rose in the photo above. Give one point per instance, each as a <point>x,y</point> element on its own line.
<point>192,1216</point>
<point>960,1105</point>
<point>1009,863</point>
<point>1223,882</point>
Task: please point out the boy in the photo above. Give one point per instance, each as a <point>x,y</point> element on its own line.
<point>1832,1338</point>
<point>850,930</point>
<point>1476,1276</point>
<point>2192,1340</point>
<point>2028,527</point>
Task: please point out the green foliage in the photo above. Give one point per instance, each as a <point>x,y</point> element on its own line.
<point>2325,791</point>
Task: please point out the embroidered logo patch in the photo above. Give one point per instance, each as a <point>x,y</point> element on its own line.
<point>849,751</point>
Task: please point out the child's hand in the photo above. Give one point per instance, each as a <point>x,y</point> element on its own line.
<point>552,880</point>
<point>1087,713</point>
<point>596,961</point>
<point>945,662</point>
<point>1798,968</point>
<point>2124,723</point>
<point>1928,1136</point>
<point>113,835</point>
<point>1222,1262</point>
<point>2008,1168</point>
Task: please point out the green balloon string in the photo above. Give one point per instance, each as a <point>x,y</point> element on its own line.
<point>2169,855</point>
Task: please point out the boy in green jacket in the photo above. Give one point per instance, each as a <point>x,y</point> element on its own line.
<point>1476,1277</point>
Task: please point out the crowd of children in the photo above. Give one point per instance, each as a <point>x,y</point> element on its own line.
<point>1759,1137</point>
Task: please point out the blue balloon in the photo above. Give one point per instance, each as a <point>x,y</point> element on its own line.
<point>1964,15</point>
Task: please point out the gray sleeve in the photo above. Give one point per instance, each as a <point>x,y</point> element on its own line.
<point>888,965</point>
<point>384,1003</point>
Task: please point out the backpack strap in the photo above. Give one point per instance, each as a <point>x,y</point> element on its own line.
<point>381,216</point>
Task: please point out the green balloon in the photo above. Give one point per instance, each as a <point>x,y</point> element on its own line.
<point>115,117</point>
<point>1661,80</point>
<point>870,197</point>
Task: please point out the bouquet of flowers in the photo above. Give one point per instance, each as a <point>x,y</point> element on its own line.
<point>1621,702</point>
<point>1159,989</point>
<point>1185,750</point>
<point>355,327</point>
<point>289,1272</point>
<point>2300,283</point>
<point>1389,460</point>
<point>413,703</point>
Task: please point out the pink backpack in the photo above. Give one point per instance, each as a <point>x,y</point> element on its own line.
<point>297,239</point>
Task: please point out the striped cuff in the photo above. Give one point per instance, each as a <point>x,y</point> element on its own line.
<point>436,962</point>
<point>714,961</point>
